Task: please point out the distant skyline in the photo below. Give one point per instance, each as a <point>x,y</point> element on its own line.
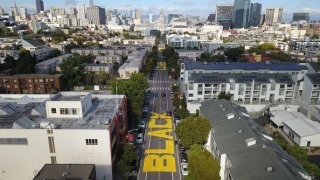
<point>192,7</point>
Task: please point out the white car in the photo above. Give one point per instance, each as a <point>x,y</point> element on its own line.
<point>184,169</point>
<point>142,124</point>
<point>139,139</point>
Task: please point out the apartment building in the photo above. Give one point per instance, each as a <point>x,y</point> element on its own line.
<point>32,83</point>
<point>250,88</point>
<point>311,91</point>
<point>110,59</point>
<point>304,46</point>
<point>133,64</point>
<point>65,128</point>
<point>100,51</point>
<point>192,54</point>
<point>244,149</point>
<point>99,68</point>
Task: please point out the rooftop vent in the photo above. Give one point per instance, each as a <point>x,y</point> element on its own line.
<point>230,115</point>
<point>269,169</point>
<point>240,131</point>
<point>223,109</point>
<point>250,141</point>
<point>220,105</point>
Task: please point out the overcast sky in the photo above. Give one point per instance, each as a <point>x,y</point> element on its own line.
<point>191,7</point>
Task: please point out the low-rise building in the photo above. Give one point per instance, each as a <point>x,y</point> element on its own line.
<point>32,83</point>
<point>243,88</point>
<point>192,54</point>
<point>300,129</point>
<point>65,128</point>
<point>31,44</point>
<point>133,64</point>
<point>311,90</point>
<point>99,68</point>
<point>235,139</point>
<point>51,65</point>
<point>305,46</point>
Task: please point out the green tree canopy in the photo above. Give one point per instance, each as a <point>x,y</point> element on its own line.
<point>235,54</point>
<point>134,88</point>
<point>261,49</point>
<point>193,130</point>
<point>25,63</point>
<point>224,95</point>
<point>128,156</point>
<point>202,165</point>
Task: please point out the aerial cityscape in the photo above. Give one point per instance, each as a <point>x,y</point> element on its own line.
<point>159,90</point>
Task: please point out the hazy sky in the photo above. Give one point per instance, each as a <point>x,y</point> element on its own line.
<point>192,7</point>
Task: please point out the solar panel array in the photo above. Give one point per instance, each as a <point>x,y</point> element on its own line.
<point>315,78</point>
<point>245,66</point>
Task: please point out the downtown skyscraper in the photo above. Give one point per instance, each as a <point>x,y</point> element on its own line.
<point>255,14</point>
<point>241,13</point>
<point>39,5</point>
<point>273,16</point>
<point>224,15</point>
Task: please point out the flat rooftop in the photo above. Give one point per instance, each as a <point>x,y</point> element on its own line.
<point>29,111</point>
<point>66,171</point>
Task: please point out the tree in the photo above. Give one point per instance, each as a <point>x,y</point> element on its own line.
<point>193,130</point>
<point>202,165</point>
<point>25,63</point>
<point>134,88</point>
<point>127,157</point>
<point>182,112</point>
<point>224,95</point>
<point>315,36</point>
<point>235,54</point>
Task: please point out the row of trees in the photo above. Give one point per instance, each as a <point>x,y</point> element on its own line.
<point>193,133</point>
<point>171,58</point>
<point>134,88</point>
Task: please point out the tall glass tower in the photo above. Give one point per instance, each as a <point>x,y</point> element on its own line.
<point>241,13</point>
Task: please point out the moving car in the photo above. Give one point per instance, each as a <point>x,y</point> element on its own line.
<point>184,169</point>
<point>169,113</point>
<point>163,94</point>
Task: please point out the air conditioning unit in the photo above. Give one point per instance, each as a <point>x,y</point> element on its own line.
<point>250,141</point>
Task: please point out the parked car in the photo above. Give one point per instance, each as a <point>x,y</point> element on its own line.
<point>145,109</point>
<point>169,113</point>
<point>183,156</point>
<point>184,169</point>
<point>139,139</point>
<point>142,124</point>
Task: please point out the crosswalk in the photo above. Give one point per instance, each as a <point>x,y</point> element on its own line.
<point>159,88</point>
<point>158,82</point>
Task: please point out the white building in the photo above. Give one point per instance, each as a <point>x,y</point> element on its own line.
<point>66,128</point>
<point>183,41</point>
<point>302,130</point>
<point>210,47</point>
<point>311,90</point>
<point>99,68</point>
<point>101,51</point>
<point>133,64</point>
<point>250,88</point>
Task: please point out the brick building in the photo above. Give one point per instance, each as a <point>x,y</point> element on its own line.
<point>31,84</point>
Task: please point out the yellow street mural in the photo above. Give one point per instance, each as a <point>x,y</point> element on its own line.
<point>160,160</point>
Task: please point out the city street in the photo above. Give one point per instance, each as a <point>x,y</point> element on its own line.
<point>160,157</point>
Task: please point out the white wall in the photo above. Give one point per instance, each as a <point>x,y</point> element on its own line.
<point>314,140</point>
<point>22,161</point>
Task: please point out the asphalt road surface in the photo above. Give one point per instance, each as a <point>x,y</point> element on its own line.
<point>160,157</point>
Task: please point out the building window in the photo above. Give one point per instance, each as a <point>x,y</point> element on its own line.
<point>74,111</point>
<point>13,141</point>
<point>190,95</point>
<point>51,145</point>
<point>49,131</point>
<point>64,111</point>
<point>53,159</point>
<point>91,141</point>
<point>199,92</point>
<point>53,110</point>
